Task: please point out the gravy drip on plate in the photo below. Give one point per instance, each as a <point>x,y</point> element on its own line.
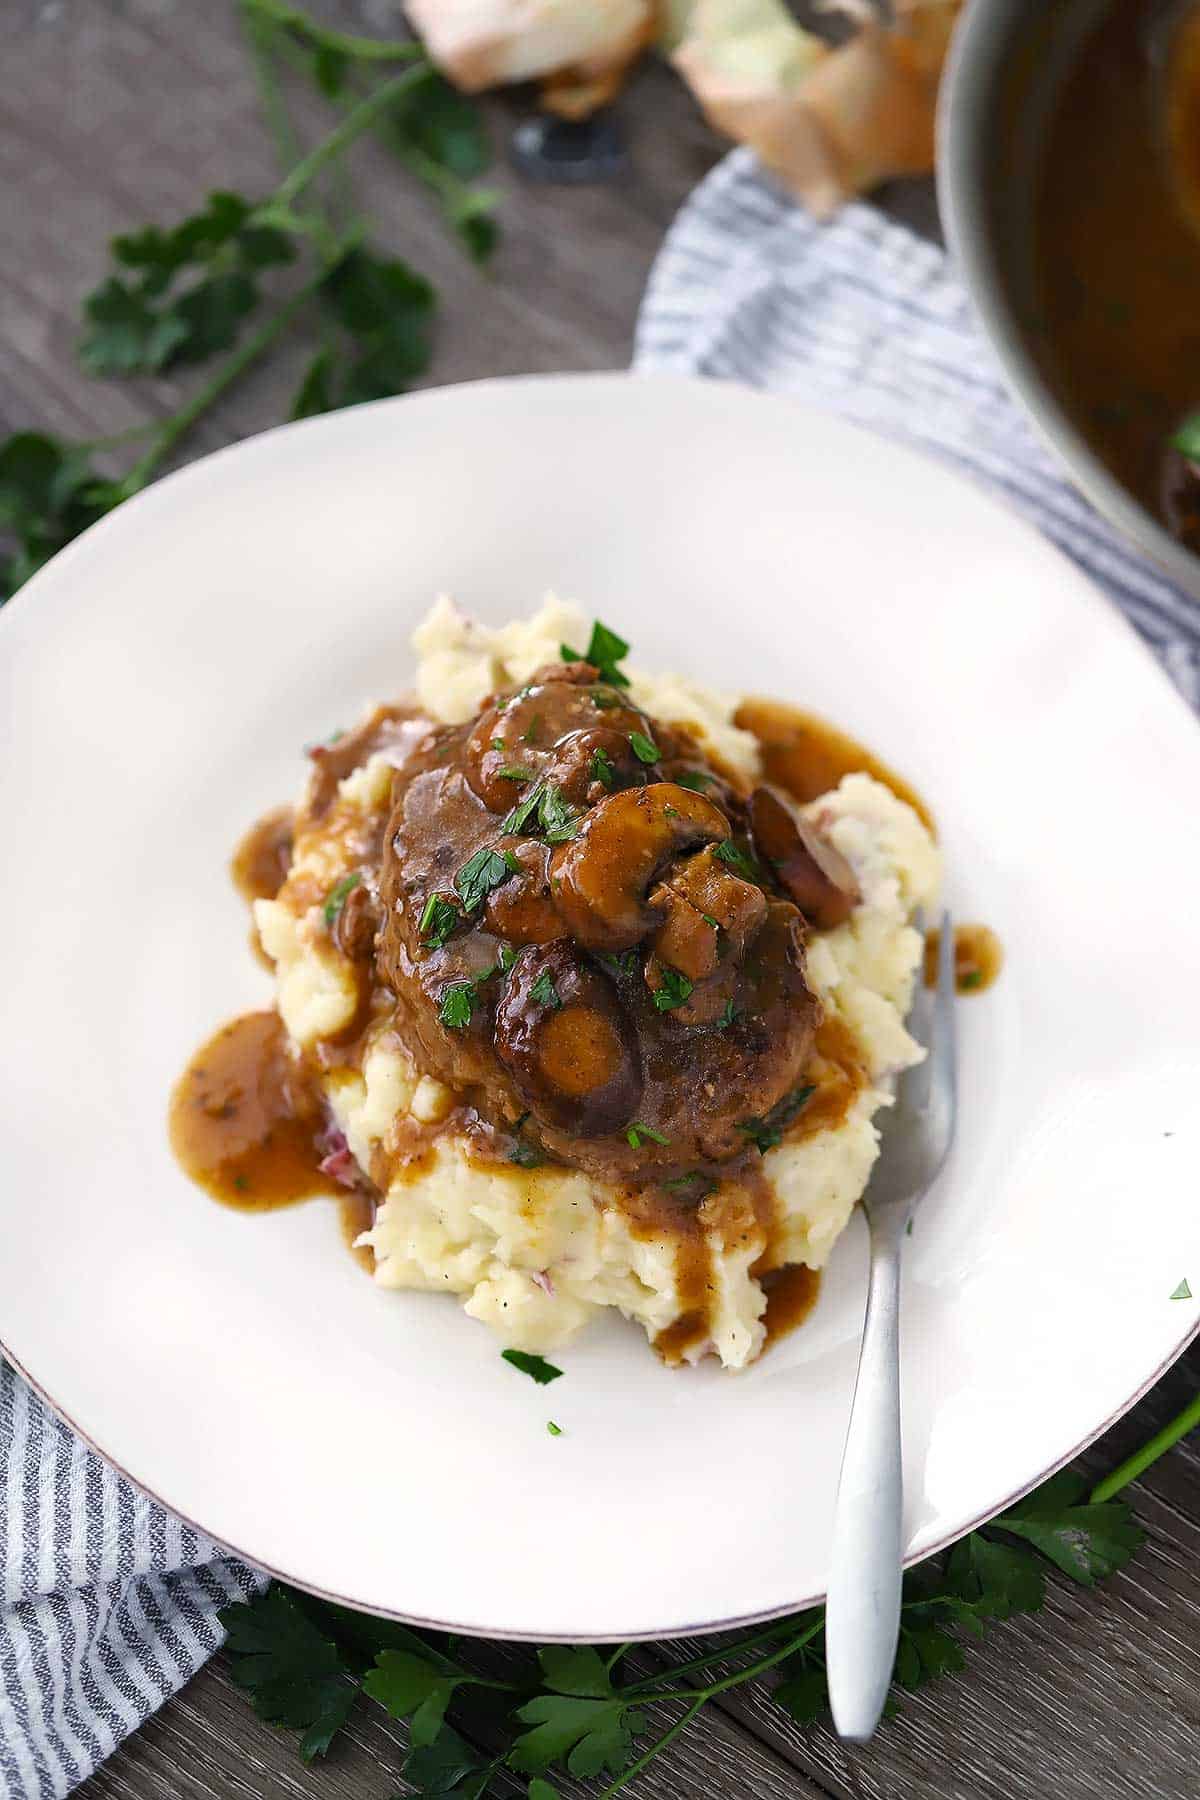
<point>245,1120</point>
<point>978,958</point>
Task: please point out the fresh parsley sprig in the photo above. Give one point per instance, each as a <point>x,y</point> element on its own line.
<point>573,1712</point>
<point>605,652</point>
<point>179,295</point>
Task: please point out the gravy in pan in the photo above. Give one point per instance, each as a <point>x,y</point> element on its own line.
<point>1116,243</point>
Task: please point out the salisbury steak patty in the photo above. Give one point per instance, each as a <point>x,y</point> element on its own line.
<point>581,936</point>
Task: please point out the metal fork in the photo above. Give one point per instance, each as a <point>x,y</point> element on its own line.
<point>862,1618</point>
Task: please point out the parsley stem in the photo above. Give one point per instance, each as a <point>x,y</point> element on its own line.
<point>181,422</point>
<point>356,121</point>
<point>363,49</point>
<point>742,1675</point>
<point>616,1656</point>
<point>676,1670</point>
<point>1141,1460</point>
<point>258,31</point>
<point>656,1749</point>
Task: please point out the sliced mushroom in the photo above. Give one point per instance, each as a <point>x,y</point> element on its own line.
<point>602,878</point>
<point>818,877</point>
<point>687,939</point>
<point>567,1042</point>
<point>523,910</point>
<point>711,887</point>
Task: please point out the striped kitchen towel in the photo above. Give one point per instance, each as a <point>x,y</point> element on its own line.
<point>864,318</point>
<point>109,1602</point>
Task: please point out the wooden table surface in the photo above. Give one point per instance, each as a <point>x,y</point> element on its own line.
<point>115,112</point>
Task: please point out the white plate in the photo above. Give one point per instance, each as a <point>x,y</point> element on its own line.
<point>160,678</point>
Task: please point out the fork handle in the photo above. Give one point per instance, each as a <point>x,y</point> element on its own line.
<point>862,1618</point>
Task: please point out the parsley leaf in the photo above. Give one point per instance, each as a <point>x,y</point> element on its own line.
<point>545,992</point>
<point>639,1133</point>
<point>514,772</point>
<point>536,1367</point>
<point>727,1017</point>
<point>729,853</point>
<point>1086,1541</point>
<point>49,493</point>
<point>335,899</point>
<point>695,779</point>
<point>591,1735</point>
<point>486,870</point>
<point>441,136</point>
<point>556,820</point>
<point>605,650</point>
<point>457,1004</point>
<point>438,920</point>
<point>768,1131</point>
<point>643,747</point>
<point>293,1673</point>
<point>447,1766</point>
<point>1183,1291</point>
<point>576,1669</point>
<point>385,310</point>
<point>139,323</point>
<point>411,1687</point>
<point>673,989</point>
<point>603,699</point>
<point>553,1429</point>
<point>601,768</point>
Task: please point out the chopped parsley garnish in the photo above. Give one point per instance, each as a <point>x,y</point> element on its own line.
<point>544,811</point>
<point>605,650</point>
<point>521,694</point>
<point>558,818</point>
<point>702,1185</point>
<point>553,1429</point>
<point>514,772</point>
<point>1183,1291</point>
<point>335,899</point>
<point>695,779</point>
<point>603,699</point>
<point>458,1003</point>
<point>437,921</point>
<point>768,1131</point>
<point>625,964</point>
<point>644,748</point>
<point>536,1367</point>
<point>727,1017</point>
<point>972,979</point>
<point>639,1134</point>
<point>544,991</point>
<point>499,744</point>
<point>524,1155</point>
<point>601,768</point>
<point>530,733</point>
<point>486,870</point>
<point>507,957</point>
<point>709,920</point>
<point>672,991</point>
<point>728,852</point>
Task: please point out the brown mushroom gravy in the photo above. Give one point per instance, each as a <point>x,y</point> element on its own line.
<point>1115,222</point>
<point>978,958</point>
<point>589,933</point>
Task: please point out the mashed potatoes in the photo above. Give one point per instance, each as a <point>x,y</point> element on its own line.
<point>534,1252</point>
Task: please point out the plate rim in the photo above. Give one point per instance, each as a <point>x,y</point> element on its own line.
<point>1014,522</point>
